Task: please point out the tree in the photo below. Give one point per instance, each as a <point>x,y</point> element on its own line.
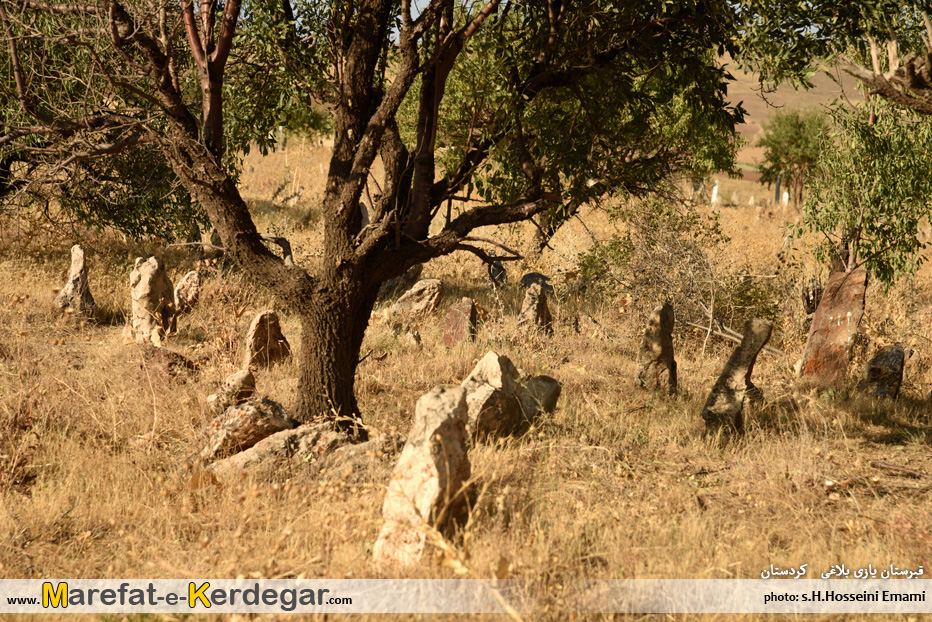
<point>792,140</point>
<point>871,190</point>
<point>163,73</point>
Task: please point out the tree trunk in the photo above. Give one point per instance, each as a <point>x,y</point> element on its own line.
<point>333,325</point>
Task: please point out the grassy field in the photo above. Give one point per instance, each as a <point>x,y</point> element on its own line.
<point>617,483</point>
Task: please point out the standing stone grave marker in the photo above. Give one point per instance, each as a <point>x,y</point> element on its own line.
<point>77,292</point>
<point>836,320</point>
<point>724,407</point>
<point>656,365</point>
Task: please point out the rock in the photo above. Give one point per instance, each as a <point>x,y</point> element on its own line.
<point>656,365</point>
<point>498,276</point>
<point>76,293</point>
<point>416,304</point>
<point>412,339</point>
<point>153,300</point>
<point>165,362</point>
<point>427,486</point>
<point>724,407</point>
<point>540,395</point>
<point>242,426</point>
<point>265,343</point>
<point>883,374</point>
<point>836,320</point>
<point>535,314</point>
<point>494,398</point>
<point>187,292</point>
<point>461,323</point>
<point>277,450</point>
<point>812,295</point>
<point>588,327</point>
<point>399,284</point>
<point>236,389</point>
<point>536,277</point>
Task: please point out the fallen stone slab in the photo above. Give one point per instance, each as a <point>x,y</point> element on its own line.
<point>834,325</point>
<point>242,426</point>
<point>76,294</point>
<point>427,488</point>
<point>656,363</point>
<point>400,284</point>
<point>883,374</point>
<point>165,362</point>
<point>724,407</point>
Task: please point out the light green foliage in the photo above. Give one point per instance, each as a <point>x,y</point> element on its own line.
<point>656,112</point>
<point>870,193</point>
<point>792,141</point>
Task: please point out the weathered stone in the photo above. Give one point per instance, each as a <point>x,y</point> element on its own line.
<point>265,343</point>
<point>724,407</point>
<point>498,276</point>
<point>427,485</point>
<point>400,284</point>
<point>812,295</point>
<point>153,300</point>
<point>461,323</point>
<point>242,426</point>
<point>656,365</point>
<point>412,339</point>
<point>586,326</point>
<point>187,292</point>
<point>236,389</point>
<point>836,320</point>
<point>164,362</point>
<point>280,449</point>
<point>418,303</point>
<point>540,395</point>
<point>494,398</point>
<point>76,293</point>
<point>883,374</point>
<point>536,277</point>
<point>535,314</point>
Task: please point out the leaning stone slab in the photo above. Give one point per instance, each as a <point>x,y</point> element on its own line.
<point>883,375</point>
<point>76,293</point>
<point>535,313</point>
<point>494,398</point>
<point>656,365</point>
<point>461,323</point>
<point>724,407</point>
<point>153,300</point>
<point>236,389</point>
<point>265,343</point>
<point>242,426</point>
<point>187,292</point>
<point>416,304</point>
<point>427,486</point>
<point>836,320</point>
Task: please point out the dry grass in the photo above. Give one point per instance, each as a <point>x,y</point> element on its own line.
<point>617,483</point>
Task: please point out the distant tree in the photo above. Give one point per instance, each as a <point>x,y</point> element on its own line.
<point>792,141</point>
<point>872,190</point>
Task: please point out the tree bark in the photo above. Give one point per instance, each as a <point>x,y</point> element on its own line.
<point>333,325</point>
